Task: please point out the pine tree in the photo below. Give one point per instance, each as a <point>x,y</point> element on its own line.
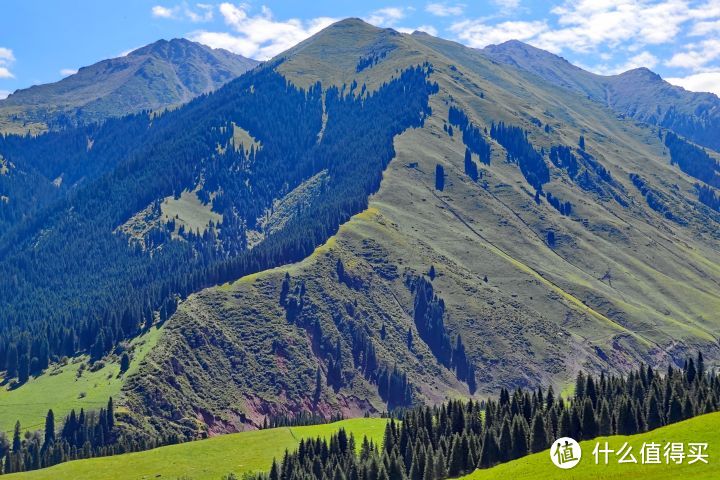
<point>17,442</point>
<point>605,424</point>
<point>581,142</point>
<point>505,443</point>
<point>124,362</point>
<point>653,416</point>
<point>519,438</point>
<point>49,428</point>
<point>589,423</point>
<point>439,177</point>
<point>538,434</point>
<point>675,413</point>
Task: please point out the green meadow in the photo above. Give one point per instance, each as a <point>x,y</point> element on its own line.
<point>205,459</point>
<point>703,429</point>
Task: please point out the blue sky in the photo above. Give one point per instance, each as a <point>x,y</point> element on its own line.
<point>43,41</point>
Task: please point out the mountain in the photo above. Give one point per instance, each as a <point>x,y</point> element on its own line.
<point>156,76</point>
<point>368,221</point>
<point>639,93</point>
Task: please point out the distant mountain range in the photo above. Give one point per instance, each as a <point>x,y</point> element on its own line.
<point>639,93</point>
<point>157,76</point>
<point>368,221</point>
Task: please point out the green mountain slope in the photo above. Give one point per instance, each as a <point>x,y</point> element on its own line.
<point>702,429</point>
<point>157,76</point>
<point>639,93</point>
<point>534,294</point>
<point>207,459</point>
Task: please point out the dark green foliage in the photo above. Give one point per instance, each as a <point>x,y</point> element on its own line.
<point>451,440</point>
<point>520,151</point>
<point>428,313</point>
<point>124,362</point>
<point>83,435</point>
<point>708,196</point>
<point>439,177</point>
<point>652,196</point>
<point>473,137</point>
<point>693,160</point>
<point>85,287</point>
<point>471,169</point>
<point>562,157</point>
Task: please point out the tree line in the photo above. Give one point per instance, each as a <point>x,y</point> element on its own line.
<point>455,438</point>
<point>75,285</point>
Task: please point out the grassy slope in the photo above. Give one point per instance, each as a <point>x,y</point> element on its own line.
<point>205,459</point>
<point>704,429</point>
<point>60,388</point>
<point>544,314</point>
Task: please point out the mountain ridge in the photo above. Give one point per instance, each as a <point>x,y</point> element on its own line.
<point>159,75</point>
<point>483,244</point>
<point>638,93</point>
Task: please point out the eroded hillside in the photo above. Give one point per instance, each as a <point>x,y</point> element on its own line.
<point>510,271</point>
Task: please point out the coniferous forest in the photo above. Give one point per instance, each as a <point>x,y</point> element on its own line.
<point>85,286</point>
<point>423,442</point>
<point>457,437</point>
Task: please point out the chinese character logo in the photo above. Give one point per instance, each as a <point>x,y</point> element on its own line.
<point>565,453</point>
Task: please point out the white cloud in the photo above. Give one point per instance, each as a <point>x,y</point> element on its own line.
<point>697,56</point>
<point>703,28</point>
<point>386,17</point>
<point>202,12</point>
<point>478,34</point>
<point>6,58</point>
<point>259,36</point>
<point>642,59</point>
<point>444,10</point>
<point>586,25</point>
<point>68,71</point>
<point>163,12</point>
<point>699,82</point>
<point>4,94</point>
<point>507,5</point>
<point>429,29</point>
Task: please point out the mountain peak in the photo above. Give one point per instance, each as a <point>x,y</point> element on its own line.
<point>162,47</point>
<point>641,72</point>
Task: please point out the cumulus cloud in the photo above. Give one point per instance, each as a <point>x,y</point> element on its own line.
<point>259,36</point>
<point>696,56</point>
<point>68,71</point>
<point>444,10</point>
<point>642,59</point>
<point>6,58</point>
<point>585,25</point>
<point>386,17</point>
<point>200,12</point>
<point>429,29</point>
<point>479,34</point>
<point>162,12</point>
<point>699,82</point>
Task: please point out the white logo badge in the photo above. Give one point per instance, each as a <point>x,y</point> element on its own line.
<point>565,453</point>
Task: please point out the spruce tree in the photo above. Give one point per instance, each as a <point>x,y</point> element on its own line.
<point>49,428</point>
<point>124,362</point>
<point>505,443</point>
<point>589,422</point>
<point>538,434</point>
<point>439,177</point>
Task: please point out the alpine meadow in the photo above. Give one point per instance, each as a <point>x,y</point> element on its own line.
<point>379,254</point>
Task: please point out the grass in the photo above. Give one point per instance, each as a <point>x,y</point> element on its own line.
<point>189,211</point>
<point>61,389</point>
<point>705,429</point>
<point>205,459</point>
